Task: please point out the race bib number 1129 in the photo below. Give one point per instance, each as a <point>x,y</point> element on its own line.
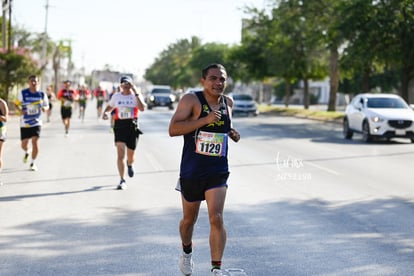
<point>211,143</point>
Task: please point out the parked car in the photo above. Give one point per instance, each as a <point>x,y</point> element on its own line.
<point>160,95</point>
<point>378,116</point>
<point>244,104</point>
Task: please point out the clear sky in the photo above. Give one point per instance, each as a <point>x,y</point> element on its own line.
<point>130,34</point>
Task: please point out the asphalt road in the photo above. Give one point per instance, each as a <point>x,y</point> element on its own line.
<point>301,201</point>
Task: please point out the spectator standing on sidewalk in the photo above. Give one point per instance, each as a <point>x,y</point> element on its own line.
<point>204,120</point>
<point>67,96</point>
<point>127,105</point>
<point>4,116</point>
<point>31,103</point>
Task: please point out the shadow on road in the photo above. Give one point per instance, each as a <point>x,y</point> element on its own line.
<point>289,238</point>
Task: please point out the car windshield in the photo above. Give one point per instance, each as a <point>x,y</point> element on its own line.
<point>160,91</point>
<point>385,103</point>
<point>242,97</point>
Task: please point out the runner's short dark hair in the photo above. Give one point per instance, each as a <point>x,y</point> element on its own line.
<point>204,72</point>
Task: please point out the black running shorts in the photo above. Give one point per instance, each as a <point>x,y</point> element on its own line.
<point>29,132</point>
<point>194,189</point>
<point>126,135</point>
<point>66,112</point>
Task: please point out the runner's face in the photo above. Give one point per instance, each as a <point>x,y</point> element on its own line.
<point>215,81</point>
<point>126,86</point>
<point>33,82</point>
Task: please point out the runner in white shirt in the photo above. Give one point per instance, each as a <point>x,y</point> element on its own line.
<point>127,105</point>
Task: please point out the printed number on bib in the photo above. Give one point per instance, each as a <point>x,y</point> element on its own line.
<point>125,113</point>
<point>32,109</point>
<point>211,143</point>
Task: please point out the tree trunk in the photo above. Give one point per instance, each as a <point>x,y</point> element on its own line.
<point>405,81</point>
<point>287,91</point>
<point>365,80</point>
<point>56,67</point>
<point>334,78</point>
<point>305,93</point>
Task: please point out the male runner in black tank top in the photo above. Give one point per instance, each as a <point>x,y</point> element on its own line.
<point>205,122</point>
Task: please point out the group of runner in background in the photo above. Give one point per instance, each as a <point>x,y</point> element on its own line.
<point>76,99</point>
<point>31,102</point>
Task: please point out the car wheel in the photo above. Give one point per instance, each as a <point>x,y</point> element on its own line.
<point>412,140</point>
<point>348,133</point>
<point>366,136</point>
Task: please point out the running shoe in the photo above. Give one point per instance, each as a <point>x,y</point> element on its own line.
<point>130,171</point>
<point>122,185</point>
<point>216,272</point>
<point>186,263</point>
<point>33,167</point>
<point>25,157</point>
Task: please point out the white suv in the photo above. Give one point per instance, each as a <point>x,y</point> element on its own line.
<point>379,116</point>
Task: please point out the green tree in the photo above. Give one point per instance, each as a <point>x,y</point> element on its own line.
<point>36,42</point>
<point>281,44</point>
<point>206,54</point>
<point>324,18</point>
<point>15,67</point>
<point>62,50</point>
<point>360,57</point>
<point>379,43</point>
<point>172,65</point>
<point>396,17</point>
<point>251,53</point>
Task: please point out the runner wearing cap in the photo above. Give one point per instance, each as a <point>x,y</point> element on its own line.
<point>127,105</point>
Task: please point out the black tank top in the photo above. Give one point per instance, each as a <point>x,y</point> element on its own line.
<point>205,149</point>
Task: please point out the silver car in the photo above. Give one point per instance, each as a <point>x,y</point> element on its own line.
<point>160,95</point>
<point>244,104</point>
<point>378,116</point>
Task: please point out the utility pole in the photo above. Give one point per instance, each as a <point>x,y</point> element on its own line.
<point>10,25</point>
<point>44,49</point>
<point>4,24</point>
